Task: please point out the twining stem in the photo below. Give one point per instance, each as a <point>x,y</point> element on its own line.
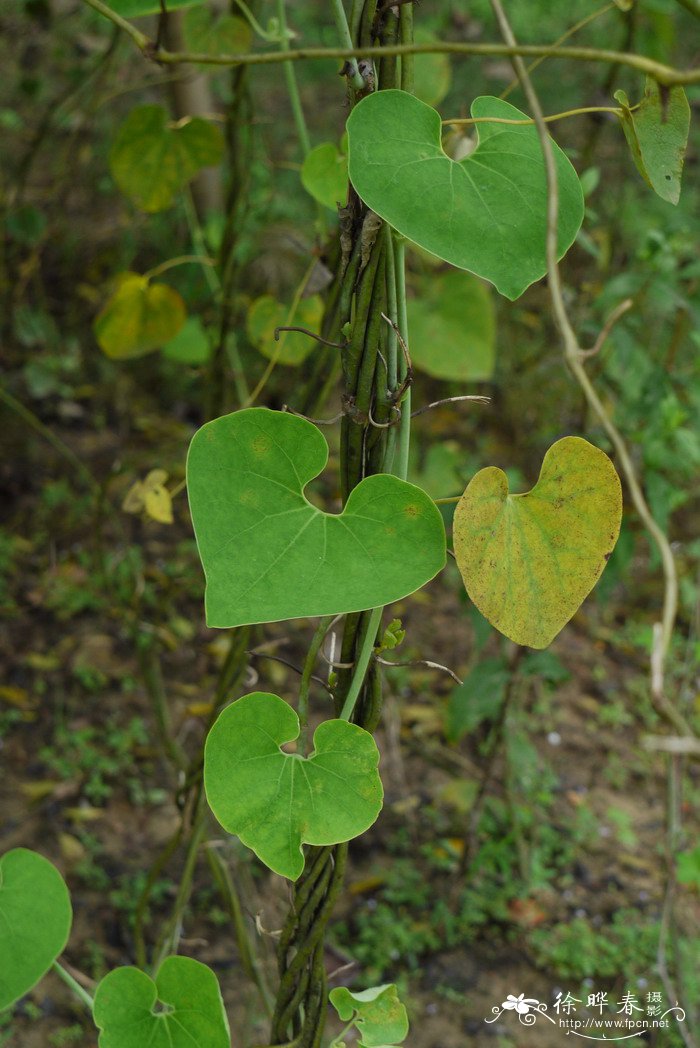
<point>464,121</point>
<point>75,986</point>
<point>341,22</point>
<point>405,423</point>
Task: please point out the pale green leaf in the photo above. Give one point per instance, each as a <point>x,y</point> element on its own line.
<point>181,1009</point>
<point>486,213</point>
<point>293,347</point>
<point>324,174</point>
<point>452,327</point>
<point>378,1014</point>
<point>205,34</point>
<point>432,73</point>
<point>138,318</point>
<point>528,561</point>
<point>276,801</point>
<point>270,554</point>
<point>152,160</point>
<point>35,921</point>
<point>657,134</point>
<point>191,345</point>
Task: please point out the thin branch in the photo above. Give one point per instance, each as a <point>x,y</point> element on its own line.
<point>449,400</point>
<point>311,334</point>
<point>421,662</point>
<point>663,74</point>
<point>463,121</point>
<point>316,421</point>
<point>619,311</point>
<point>289,665</point>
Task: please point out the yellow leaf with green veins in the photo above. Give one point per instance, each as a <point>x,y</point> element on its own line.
<point>528,561</point>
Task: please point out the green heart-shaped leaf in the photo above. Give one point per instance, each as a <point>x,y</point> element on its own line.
<point>293,347</point>
<point>191,345</point>
<point>452,327</point>
<point>181,1009</point>
<point>35,921</point>
<point>657,134</point>
<point>207,35</point>
<point>138,318</point>
<point>486,213</point>
<point>276,801</point>
<point>324,174</point>
<point>528,561</point>
<point>270,554</point>
<point>152,160</point>
<point>378,1014</point>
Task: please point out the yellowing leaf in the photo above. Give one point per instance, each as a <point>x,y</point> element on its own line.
<point>158,504</point>
<point>152,496</point>
<point>528,561</point>
<point>266,314</point>
<point>152,160</point>
<point>657,134</point>
<point>138,318</point>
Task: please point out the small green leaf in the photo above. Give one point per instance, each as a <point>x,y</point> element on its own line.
<point>35,921</point>
<point>139,8</point>
<point>378,1014</point>
<point>324,174</point>
<point>191,345</point>
<point>138,318</point>
<point>689,867</point>
<point>152,160</point>
<point>394,636</point>
<point>657,134</point>
<point>207,35</point>
<point>452,327</point>
<point>528,561</point>
<point>478,698</point>
<point>181,1009</point>
<point>486,213</point>
<point>270,554</point>
<point>266,314</point>
<point>276,801</point>
<point>432,73</point>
